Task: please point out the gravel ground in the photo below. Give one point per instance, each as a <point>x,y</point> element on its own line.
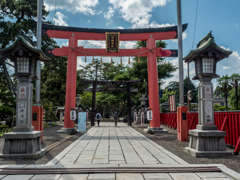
<point>169,141</point>
<point>49,137</point>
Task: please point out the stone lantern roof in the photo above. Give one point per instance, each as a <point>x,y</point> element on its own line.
<point>23,41</point>
<point>204,46</point>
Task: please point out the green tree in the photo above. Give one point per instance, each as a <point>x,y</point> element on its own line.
<point>224,86</point>
<point>16,15</point>
<point>140,70</point>
<point>218,107</point>
<point>167,93</point>
<point>49,114</point>
<point>7,101</point>
<point>234,93</point>
<point>174,87</point>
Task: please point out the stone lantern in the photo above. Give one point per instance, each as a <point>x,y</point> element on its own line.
<point>24,56</point>
<point>143,100</point>
<point>206,140</point>
<point>134,109</point>
<point>78,100</point>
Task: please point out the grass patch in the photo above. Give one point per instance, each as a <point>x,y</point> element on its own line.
<point>4,126</point>
<point>3,130</point>
<point>52,124</point>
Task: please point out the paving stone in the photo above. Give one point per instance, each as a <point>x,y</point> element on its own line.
<point>17,177</point>
<point>167,161</point>
<point>156,176</point>
<point>116,158</point>
<point>129,176</point>
<point>215,178</point>
<point>211,175</point>
<point>1,176</point>
<point>100,161</point>
<point>74,177</point>
<point>185,176</point>
<point>65,163</point>
<point>46,177</point>
<point>102,176</point>
<point>85,156</point>
<point>100,157</point>
<point>88,152</point>
<point>117,162</point>
<point>116,152</point>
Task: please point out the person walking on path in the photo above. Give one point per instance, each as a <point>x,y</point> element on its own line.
<point>98,117</point>
<point>115,118</point>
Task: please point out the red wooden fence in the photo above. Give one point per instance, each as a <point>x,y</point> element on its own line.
<point>225,121</point>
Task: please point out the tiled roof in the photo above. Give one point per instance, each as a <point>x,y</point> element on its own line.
<point>28,43</point>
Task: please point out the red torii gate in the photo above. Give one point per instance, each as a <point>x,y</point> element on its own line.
<point>73,34</point>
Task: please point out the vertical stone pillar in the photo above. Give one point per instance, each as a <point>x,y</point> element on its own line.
<point>70,85</point>
<point>24,106</point>
<point>153,86</point>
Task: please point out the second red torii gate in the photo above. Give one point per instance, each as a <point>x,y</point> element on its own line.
<point>73,34</point>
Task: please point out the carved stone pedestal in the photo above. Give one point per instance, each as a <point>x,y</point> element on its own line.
<point>207,143</point>
<point>23,145</point>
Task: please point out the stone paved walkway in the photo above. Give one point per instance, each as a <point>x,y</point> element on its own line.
<point>121,146</point>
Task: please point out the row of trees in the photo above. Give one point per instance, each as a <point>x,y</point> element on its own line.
<point>228,88</point>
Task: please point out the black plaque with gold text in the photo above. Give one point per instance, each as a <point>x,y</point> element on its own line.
<point>112,41</point>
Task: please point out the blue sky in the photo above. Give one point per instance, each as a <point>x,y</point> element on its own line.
<point>219,16</point>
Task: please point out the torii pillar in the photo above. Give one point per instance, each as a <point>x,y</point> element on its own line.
<point>153,88</point>
<point>70,86</point>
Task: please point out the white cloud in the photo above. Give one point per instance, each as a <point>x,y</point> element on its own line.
<point>92,44</point>
<point>154,24</point>
<point>65,43</point>
<point>127,44</point>
<point>175,74</point>
<point>184,36</point>
<point>60,19</point>
<point>137,11</point>
<point>120,27</point>
<point>81,61</point>
<point>109,14</point>
<point>225,67</point>
<point>73,6</point>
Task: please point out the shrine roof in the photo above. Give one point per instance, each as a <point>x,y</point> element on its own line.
<point>95,30</point>
<point>205,43</point>
<point>23,39</point>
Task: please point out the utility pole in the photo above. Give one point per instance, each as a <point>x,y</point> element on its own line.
<point>189,105</point>
<point>180,54</point>
<point>39,40</point>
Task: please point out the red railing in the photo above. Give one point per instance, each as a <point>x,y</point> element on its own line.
<point>225,121</point>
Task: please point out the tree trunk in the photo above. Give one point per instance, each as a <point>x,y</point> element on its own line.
<point>226,101</point>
